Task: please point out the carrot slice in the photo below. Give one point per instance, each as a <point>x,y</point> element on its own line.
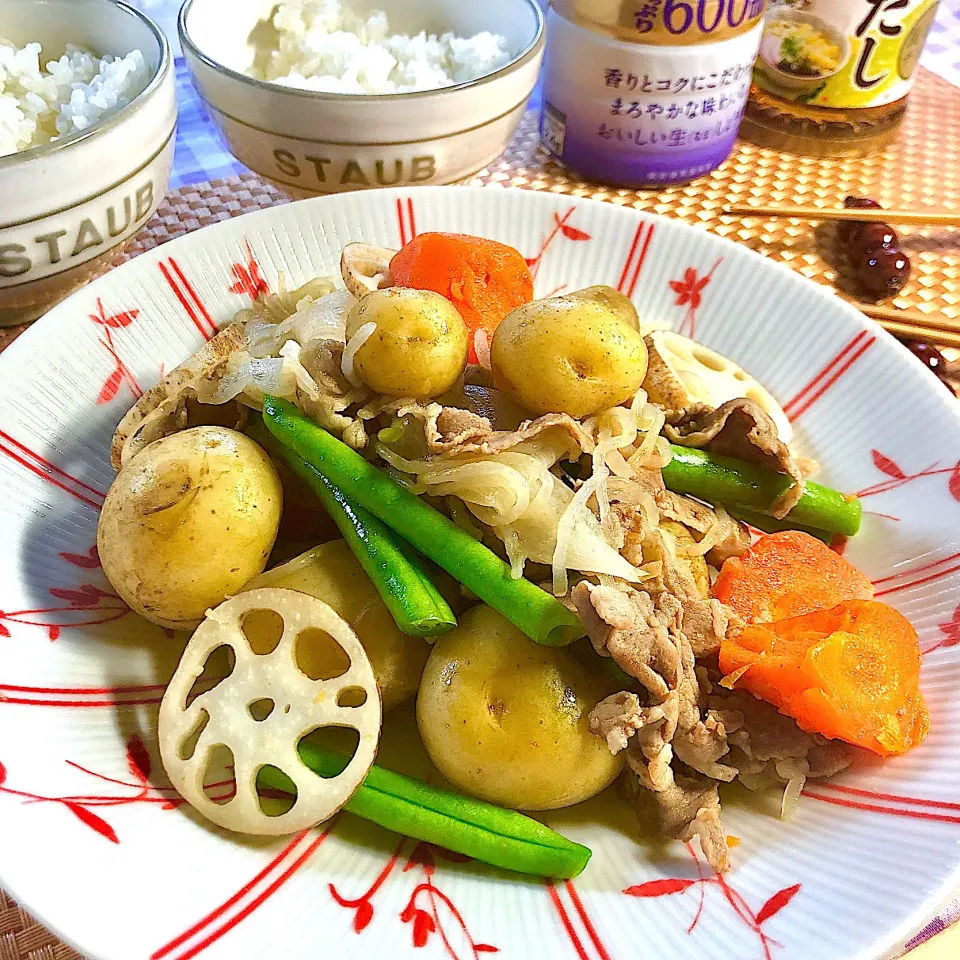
<point>850,673</point>
<point>483,279</point>
<point>786,575</point>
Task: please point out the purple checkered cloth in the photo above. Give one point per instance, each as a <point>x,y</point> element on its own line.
<point>203,155</point>
<point>201,152</point>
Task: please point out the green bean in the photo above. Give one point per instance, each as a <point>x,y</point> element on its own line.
<point>534,611</point>
<point>734,483</point>
<point>503,838</point>
<point>771,525</point>
<point>414,602</point>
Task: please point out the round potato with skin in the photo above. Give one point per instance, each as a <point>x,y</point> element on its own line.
<point>419,346</point>
<point>567,355</point>
<point>507,720</point>
<point>615,301</point>
<point>187,522</point>
<point>333,574</point>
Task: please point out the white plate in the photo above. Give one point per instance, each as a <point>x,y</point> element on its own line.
<point>92,842</point>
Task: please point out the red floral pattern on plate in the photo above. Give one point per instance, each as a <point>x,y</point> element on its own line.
<point>559,227</point>
<point>82,806</point>
<point>248,278</point>
<point>428,910</point>
<point>689,291</point>
<point>121,373</point>
<point>584,938</point>
<point>755,920</point>
<point>950,631</point>
<point>897,477</point>
<point>828,375</point>
<point>188,297</point>
<point>56,476</point>
<point>917,576</point>
<point>135,695</point>
<point>81,599</point>
<point>636,256</point>
<point>406,220</point>
<point>249,898</point>
<point>911,808</point>
<point>87,598</point>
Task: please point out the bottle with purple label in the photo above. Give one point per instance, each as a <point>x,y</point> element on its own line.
<point>643,93</point>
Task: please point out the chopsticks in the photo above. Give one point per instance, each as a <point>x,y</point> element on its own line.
<point>910,323</point>
<point>902,323</point>
<point>907,217</point>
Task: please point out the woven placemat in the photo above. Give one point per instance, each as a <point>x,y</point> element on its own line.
<point>22,938</point>
<point>921,169</point>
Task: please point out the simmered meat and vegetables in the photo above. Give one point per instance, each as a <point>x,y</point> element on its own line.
<point>584,544</point>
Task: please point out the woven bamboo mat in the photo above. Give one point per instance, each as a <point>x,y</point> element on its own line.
<point>921,169</point>
<point>22,938</point>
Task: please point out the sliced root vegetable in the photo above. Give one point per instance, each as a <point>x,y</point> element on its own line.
<point>682,372</point>
<point>850,673</point>
<point>788,574</point>
<point>365,268</point>
<point>275,665</point>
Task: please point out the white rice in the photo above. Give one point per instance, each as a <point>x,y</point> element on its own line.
<point>68,95</point>
<point>320,45</point>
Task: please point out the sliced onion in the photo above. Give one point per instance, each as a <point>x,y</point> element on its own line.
<point>290,352</point>
<point>264,338</point>
<point>791,797</point>
<point>718,530</point>
<point>515,554</point>
<point>618,465</point>
<point>516,494</point>
<point>649,445</point>
<point>252,377</point>
<point>398,462</point>
<point>323,319</point>
<point>481,346</point>
<point>637,404</point>
<point>626,491</point>
<point>565,527</point>
<point>461,517</point>
<point>495,492</point>
<point>363,334</point>
<point>663,453</point>
<point>614,430</point>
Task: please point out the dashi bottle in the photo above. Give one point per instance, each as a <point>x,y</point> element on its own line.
<point>832,76</point>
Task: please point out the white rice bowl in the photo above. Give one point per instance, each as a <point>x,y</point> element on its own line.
<point>68,95</point>
<point>321,45</point>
